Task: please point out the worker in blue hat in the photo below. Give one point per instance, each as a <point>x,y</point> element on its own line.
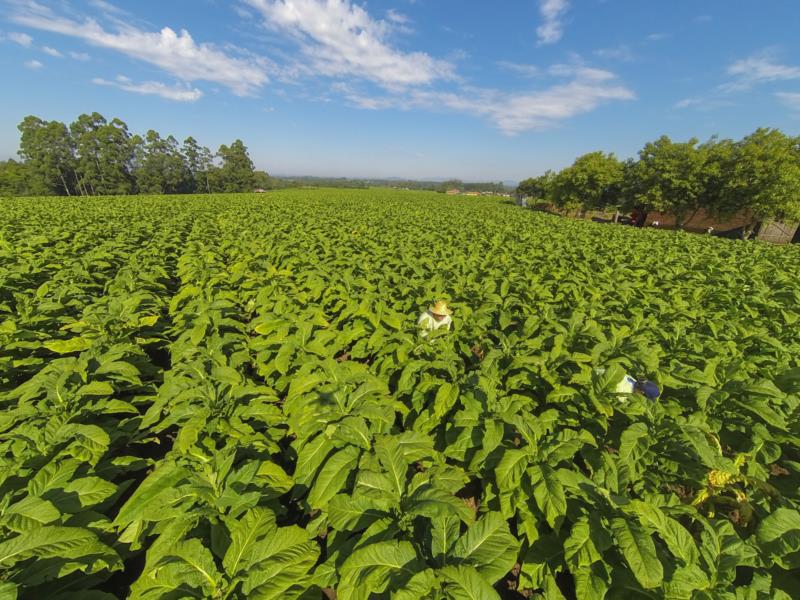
<point>628,386</point>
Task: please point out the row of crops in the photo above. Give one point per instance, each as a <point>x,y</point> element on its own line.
<point>225,397</point>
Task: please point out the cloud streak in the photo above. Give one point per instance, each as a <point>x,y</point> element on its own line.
<point>177,93</point>
<point>759,68</point>
<point>176,53</point>
<point>521,70</point>
<point>552,28</point>
<point>514,113</point>
<point>23,39</point>
<point>790,100</point>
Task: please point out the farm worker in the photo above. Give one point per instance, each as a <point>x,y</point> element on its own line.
<point>437,315</point>
<point>629,385</point>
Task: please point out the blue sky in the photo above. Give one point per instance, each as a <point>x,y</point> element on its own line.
<point>407,88</point>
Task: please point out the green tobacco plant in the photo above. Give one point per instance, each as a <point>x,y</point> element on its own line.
<point>227,397</point>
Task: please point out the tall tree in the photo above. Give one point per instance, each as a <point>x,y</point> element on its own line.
<point>761,175</point>
<point>105,155</point>
<point>84,136</point>
<point>671,177</point>
<point>591,182</point>
<point>116,158</point>
<point>199,161</point>
<point>160,166</point>
<point>49,155</point>
<point>539,188</point>
<point>236,173</point>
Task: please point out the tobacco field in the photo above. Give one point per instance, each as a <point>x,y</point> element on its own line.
<point>226,397</point>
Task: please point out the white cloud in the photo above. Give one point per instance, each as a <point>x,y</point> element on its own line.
<point>338,38</point>
<point>701,103</point>
<point>396,17</point>
<point>52,52</point>
<point>174,52</point>
<point>789,99</point>
<point>552,28</point>
<point>657,37</point>
<point>622,53</point>
<point>23,39</point>
<point>761,67</point>
<point>687,103</point>
<point>108,8</point>
<point>34,64</point>
<point>522,70</point>
<point>79,56</point>
<point>178,92</point>
<point>516,112</point>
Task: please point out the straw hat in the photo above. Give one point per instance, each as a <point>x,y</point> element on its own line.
<point>440,308</point>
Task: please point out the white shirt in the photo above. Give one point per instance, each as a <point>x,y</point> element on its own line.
<point>428,323</point>
<point>626,386</point>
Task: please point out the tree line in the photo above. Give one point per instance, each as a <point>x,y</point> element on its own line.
<point>757,176</point>
<point>94,156</point>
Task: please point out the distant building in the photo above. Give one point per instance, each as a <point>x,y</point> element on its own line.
<point>472,194</point>
<point>452,192</point>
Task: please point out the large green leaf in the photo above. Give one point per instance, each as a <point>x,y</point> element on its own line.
<point>549,493</point>
<point>488,546</point>
<point>372,568</point>
<point>639,552</point>
<point>465,583</point>
<point>355,513</point>
<point>446,397</point>
<point>51,542</point>
<point>431,502</point>
<point>779,536</point>
<point>245,535</point>
<point>280,563</point>
<point>579,548</point>
<point>76,344</point>
<point>511,467</point>
<point>156,491</point>
<point>394,461</point>
<point>677,538</point>
<point>333,475</point>
<point>310,458</point>
<point>591,583</point>
<point>29,513</point>
<point>9,591</point>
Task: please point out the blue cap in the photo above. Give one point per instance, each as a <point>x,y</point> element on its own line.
<point>650,390</point>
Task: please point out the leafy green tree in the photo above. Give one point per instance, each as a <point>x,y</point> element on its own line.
<point>591,182</point>
<point>719,159</point>
<point>14,178</point>
<point>84,136</point>
<point>540,188</point>
<point>236,173</point>
<point>262,180</point>
<point>451,184</point>
<point>160,166</point>
<point>671,177</point>
<point>48,152</point>
<point>199,161</point>
<point>760,175</point>
<point>105,155</point>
